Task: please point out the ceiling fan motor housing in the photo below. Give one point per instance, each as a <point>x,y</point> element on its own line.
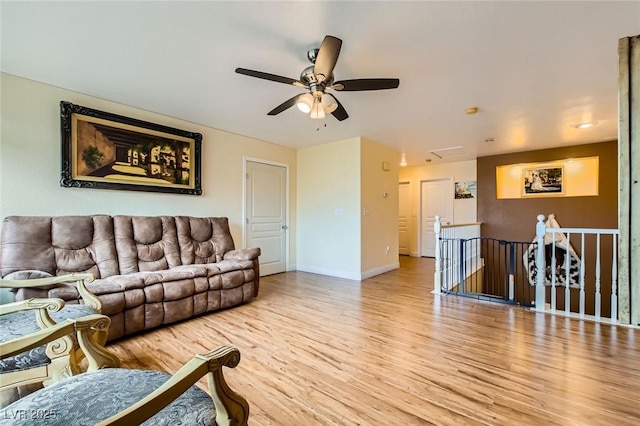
<point>316,87</point>
<point>312,55</point>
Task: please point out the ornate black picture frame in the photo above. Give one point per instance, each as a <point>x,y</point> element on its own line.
<point>110,151</point>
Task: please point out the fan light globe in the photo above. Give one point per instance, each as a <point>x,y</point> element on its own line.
<point>329,104</point>
<point>317,112</point>
<point>305,103</point>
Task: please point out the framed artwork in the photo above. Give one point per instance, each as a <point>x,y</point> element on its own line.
<point>109,151</point>
<point>542,181</point>
<point>465,190</point>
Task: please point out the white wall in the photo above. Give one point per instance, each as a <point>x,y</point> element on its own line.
<point>30,158</point>
<point>380,213</point>
<point>464,210</point>
<point>329,209</point>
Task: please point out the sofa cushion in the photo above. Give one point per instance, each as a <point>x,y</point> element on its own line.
<point>146,243</point>
<point>89,398</point>
<point>203,239</point>
<point>58,245</point>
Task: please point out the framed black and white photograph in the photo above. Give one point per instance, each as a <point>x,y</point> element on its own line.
<point>109,151</point>
<point>541,181</point>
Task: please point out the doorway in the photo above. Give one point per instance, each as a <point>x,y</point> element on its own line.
<point>404,218</point>
<point>436,199</point>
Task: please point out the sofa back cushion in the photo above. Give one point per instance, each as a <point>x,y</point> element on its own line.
<point>146,243</point>
<point>203,239</point>
<point>59,245</point>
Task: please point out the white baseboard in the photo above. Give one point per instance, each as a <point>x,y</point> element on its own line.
<point>329,272</point>
<point>414,254</point>
<point>349,275</point>
<point>380,270</point>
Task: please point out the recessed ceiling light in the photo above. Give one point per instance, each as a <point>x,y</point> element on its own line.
<point>489,139</point>
<point>585,125</point>
<point>428,160</point>
<point>471,111</point>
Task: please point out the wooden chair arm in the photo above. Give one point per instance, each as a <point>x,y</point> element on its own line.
<point>52,304</point>
<point>231,408</point>
<point>84,328</point>
<point>76,279</point>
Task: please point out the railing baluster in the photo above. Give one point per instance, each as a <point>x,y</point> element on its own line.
<point>553,272</point>
<point>614,280</point>
<point>540,290</point>
<point>567,276</point>
<point>437,279</point>
<point>598,301</point>
<point>512,269</point>
<point>582,251</point>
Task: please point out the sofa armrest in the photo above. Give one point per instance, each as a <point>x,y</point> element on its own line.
<point>231,408</point>
<point>242,254</point>
<point>248,254</point>
<point>78,281</point>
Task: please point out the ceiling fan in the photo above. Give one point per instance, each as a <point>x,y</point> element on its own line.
<point>317,79</point>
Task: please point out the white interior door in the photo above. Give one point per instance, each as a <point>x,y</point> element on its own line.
<point>436,200</point>
<point>266,214</point>
<point>404,218</point>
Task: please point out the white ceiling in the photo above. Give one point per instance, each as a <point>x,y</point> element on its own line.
<point>534,69</point>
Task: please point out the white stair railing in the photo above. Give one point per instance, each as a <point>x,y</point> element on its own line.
<point>448,262</point>
<point>569,277</point>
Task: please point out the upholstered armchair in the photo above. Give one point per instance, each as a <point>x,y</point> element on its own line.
<point>115,396</point>
<point>45,365</point>
<point>35,348</point>
<point>33,283</point>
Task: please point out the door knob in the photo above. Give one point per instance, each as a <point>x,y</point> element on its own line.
<point>285,227</point>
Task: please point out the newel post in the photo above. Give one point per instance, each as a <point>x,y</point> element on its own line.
<point>540,265</point>
<point>437,277</point>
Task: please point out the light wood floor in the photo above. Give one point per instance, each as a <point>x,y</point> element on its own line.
<point>318,350</point>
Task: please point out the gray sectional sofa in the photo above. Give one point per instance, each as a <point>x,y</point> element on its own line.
<point>149,270</point>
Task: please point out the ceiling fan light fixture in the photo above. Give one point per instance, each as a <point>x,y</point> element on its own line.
<point>317,112</point>
<point>329,104</point>
<point>319,77</point>
<point>305,103</point>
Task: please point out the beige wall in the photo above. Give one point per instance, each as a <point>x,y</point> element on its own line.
<point>344,222</point>
<point>329,209</point>
<point>380,212</point>
<point>328,232</point>
<point>464,210</point>
<point>30,157</point>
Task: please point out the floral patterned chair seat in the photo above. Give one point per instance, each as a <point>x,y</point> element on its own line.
<point>23,323</point>
<point>116,396</point>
